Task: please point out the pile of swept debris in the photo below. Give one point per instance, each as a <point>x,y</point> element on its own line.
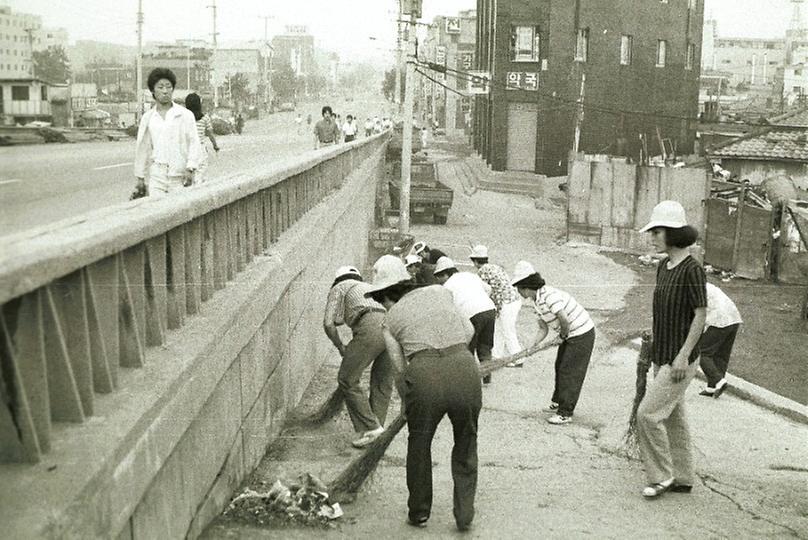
<point>304,501</point>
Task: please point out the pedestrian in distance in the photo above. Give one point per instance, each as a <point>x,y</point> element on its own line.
<point>348,305</point>
<point>308,120</point>
<point>559,311</point>
<point>204,128</point>
<point>507,302</point>
<point>239,123</point>
<point>326,131</point>
<point>299,122</point>
<point>368,127</point>
<point>715,346</point>
<point>471,298</point>
<point>679,314</point>
<point>349,129</point>
<point>436,376</point>
<point>167,150</point>
<point>377,125</point>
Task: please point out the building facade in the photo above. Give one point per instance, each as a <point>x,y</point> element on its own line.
<point>637,69</point>
<point>20,35</point>
<point>451,42</point>
<point>192,64</point>
<point>296,48</point>
<point>253,61</point>
<point>24,100</point>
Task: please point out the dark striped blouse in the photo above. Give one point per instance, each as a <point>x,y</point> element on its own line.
<point>679,291</point>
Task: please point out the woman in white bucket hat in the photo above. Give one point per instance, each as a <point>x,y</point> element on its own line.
<point>346,304</point>
<point>559,311</point>
<point>427,342</point>
<point>679,312</point>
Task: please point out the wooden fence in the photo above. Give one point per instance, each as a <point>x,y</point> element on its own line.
<point>609,201</point>
<point>89,297</point>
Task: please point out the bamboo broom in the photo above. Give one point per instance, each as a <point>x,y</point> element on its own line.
<point>352,478</point>
<point>641,383</point>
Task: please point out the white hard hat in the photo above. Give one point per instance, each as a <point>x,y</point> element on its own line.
<point>412,259</point>
<point>417,248</point>
<point>667,214</point>
<point>479,252</point>
<point>444,263</point>
<point>389,270</point>
<point>345,270</point>
<point>521,271</point>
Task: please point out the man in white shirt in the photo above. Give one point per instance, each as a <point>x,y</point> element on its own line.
<point>715,345</point>
<point>349,129</point>
<point>168,147</point>
<point>472,301</point>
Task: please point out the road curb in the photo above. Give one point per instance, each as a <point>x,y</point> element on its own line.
<point>758,395</point>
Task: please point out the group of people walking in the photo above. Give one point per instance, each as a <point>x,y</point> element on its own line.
<point>423,326</point>
<point>331,130</point>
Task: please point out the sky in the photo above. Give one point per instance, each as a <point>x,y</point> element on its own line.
<point>344,26</point>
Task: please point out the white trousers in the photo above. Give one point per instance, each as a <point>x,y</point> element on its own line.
<point>506,340</point>
<point>160,183</point>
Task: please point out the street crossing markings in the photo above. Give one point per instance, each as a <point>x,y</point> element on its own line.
<point>112,166</point>
<point>11,181</point>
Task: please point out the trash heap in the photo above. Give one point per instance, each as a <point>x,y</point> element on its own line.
<point>304,501</point>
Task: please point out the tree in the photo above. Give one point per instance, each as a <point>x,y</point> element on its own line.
<point>389,85</point>
<point>237,86</point>
<point>284,82</point>
<point>52,65</point>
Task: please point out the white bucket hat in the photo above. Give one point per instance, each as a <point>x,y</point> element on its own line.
<point>345,270</point>
<point>409,260</point>
<point>667,214</point>
<point>521,271</point>
<point>389,270</point>
<point>479,252</point>
<point>444,263</point>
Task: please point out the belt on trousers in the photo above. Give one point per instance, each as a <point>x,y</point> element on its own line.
<point>369,310</point>
<point>439,353</point>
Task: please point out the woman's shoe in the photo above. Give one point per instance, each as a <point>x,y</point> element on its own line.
<point>655,490</point>
<point>420,522</point>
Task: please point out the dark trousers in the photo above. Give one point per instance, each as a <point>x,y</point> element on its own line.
<point>367,347</point>
<point>438,383</point>
<point>715,347</point>
<point>483,340</point>
<point>572,361</point>
<point>349,138</point>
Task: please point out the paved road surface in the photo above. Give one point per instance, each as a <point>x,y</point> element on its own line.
<point>40,184</point>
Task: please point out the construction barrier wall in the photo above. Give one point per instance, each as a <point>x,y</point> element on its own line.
<point>150,351</point>
<point>610,200</point>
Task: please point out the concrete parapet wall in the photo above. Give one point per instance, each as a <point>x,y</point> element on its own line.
<point>164,448</point>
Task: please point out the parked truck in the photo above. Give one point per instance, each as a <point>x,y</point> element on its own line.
<point>430,200</point>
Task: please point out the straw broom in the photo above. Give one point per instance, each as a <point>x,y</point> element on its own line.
<point>352,478</point>
<point>641,383</point>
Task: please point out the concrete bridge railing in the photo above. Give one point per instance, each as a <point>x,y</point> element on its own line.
<point>149,351</point>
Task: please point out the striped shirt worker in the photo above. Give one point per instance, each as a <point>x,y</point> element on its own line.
<point>346,303</point>
<point>551,301</point>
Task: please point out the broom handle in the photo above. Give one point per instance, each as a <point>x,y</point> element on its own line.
<point>492,365</point>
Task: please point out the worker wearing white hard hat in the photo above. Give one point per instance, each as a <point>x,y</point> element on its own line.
<point>506,300</point>
<point>427,343</point>
<point>471,297</point>
<point>560,312</point>
<point>679,314</point>
<point>429,257</point>
<point>413,264</point>
<point>347,304</point>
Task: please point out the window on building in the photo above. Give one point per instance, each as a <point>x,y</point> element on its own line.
<point>625,50</point>
<point>661,53</point>
<point>525,43</point>
<point>43,93</point>
<point>690,60</point>
<point>19,93</point>
<point>582,45</point>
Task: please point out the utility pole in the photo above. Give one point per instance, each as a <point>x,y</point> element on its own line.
<point>406,140</point>
<point>215,46</point>
<point>579,117</point>
<point>266,75</point>
<point>188,68</point>
<point>399,57</point>
<point>139,61</point>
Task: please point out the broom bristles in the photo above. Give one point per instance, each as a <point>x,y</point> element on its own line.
<point>641,384</point>
<point>351,479</point>
<point>326,411</point>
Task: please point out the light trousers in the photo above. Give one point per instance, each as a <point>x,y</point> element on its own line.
<point>506,340</point>
<point>662,430</point>
<point>161,183</point>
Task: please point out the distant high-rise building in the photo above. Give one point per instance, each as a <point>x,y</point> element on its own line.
<point>20,35</point>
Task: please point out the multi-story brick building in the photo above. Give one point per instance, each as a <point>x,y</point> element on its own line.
<point>641,67</point>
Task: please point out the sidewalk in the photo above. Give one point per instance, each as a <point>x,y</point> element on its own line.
<point>543,481</point>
